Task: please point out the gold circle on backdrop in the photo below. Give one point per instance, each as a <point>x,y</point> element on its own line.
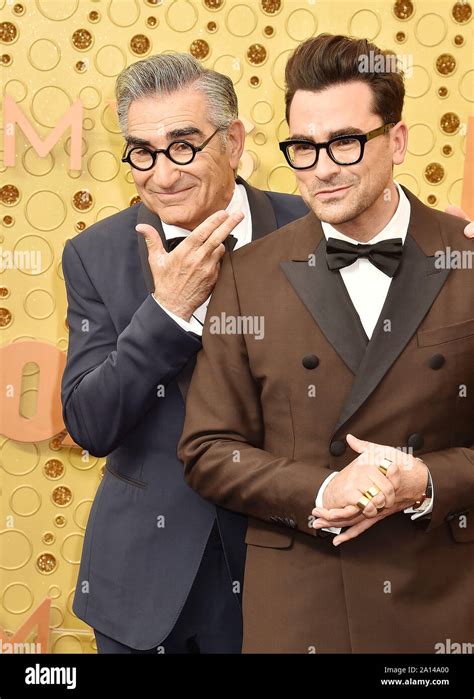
<point>409,181</point>
<point>39,304</point>
<point>67,146</point>
<point>281,179</point>
<point>181,15</point>
<point>262,112</point>
<point>278,68</point>
<point>301,24</point>
<point>466,85</point>
<point>419,82</point>
<point>103,166</point>
<point>106,211</point>
<point>67,643</point>
<point>241,20</point>
<point>90,97</point>
<point>62,343</point>
<point>62,496</point>
<point>54,591</point>
<point>431,29</point>
<point>365,23</point>
<point>455,191</point>
<point>259,138</point>
<point>109,120</point>
<point>56,616</point>
<point>16,89</point>
<point>229,65</point>
<point>39,245</point>
<point>18,459</point>
<point>57,11</point>
<point>110,60</point>
<point>88,123</point>
<point>25,500</point>
<point>49,104</point>
<point>71,548</point>
<point>17,598</point>
<point>15,549</point>
<point>44,54</point>
<point>81,459</point>
<point>46,563</point>
<point>421,139</point>
<point>123,13</point>
<point>81,513</point>
<point>45,210</point>
<point>37,165</point>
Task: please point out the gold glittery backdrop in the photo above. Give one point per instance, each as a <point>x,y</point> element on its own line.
<point>55,52</point>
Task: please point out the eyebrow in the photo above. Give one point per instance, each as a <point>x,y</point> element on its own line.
<point>348,131</point>
<point>172,135</point>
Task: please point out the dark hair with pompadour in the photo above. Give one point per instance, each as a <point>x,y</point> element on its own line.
<point>330,59</point>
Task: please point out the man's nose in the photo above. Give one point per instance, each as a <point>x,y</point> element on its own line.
<point>164,173</point>
<point>325,168</point>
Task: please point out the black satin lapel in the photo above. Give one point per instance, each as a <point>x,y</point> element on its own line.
<point>261,209</point>
<point>146,216</point>
<point>325,296</point>
<point>411,295</point>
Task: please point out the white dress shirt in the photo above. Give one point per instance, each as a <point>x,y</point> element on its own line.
<point>368,287</point>
<point>243,233</point>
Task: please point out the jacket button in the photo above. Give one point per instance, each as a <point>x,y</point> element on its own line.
<point>337,448</point>
<point>415,441</point>
<point>450,518</point>
<point>436,361</point>
<point>292,523</point>
<point>323,535</point>
<point>311,361</point>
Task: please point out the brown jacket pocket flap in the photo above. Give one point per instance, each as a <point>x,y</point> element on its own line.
<point>462,527</point>
<point>262,534</point>
<point>437,336</point>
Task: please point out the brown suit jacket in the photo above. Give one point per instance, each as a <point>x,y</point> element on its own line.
<point>257,440</point>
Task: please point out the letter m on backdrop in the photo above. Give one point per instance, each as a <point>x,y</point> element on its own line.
<point>38,621</point>
<point>13,115</point>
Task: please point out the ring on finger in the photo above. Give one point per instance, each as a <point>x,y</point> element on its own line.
<point>363,502</point>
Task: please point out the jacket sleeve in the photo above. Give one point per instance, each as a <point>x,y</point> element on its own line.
<point>223,435</point>
<point>452,472</point>
<point>111,379</point>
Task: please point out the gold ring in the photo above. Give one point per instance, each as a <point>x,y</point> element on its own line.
<point>371,492</point>
<point>362,503</point>
<point>384,466</point>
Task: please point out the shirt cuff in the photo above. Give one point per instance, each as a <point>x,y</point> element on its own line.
<point>188,325</point>
<point>319,502</point>
<point>421,511</point>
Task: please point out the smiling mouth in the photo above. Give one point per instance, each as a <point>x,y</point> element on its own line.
<point>171,194</point>
<point>328,192</point>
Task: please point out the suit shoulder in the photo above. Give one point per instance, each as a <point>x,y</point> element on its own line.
<point>452,230</point>
<point>273,246</point>
<point>110,230</point>
<point>287,206</point>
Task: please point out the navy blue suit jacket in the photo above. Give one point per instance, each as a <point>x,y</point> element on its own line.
<point>147,528</point>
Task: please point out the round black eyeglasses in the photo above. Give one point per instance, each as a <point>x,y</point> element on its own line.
<point>179,152</point>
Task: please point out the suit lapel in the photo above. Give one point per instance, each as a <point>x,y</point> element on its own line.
<point>411,295</point>
<point>324,294</point>
<point>261,209</point>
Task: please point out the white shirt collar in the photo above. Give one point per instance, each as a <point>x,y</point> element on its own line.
<point>397,227</point>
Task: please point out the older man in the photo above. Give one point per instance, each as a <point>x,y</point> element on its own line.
<point>161,567</point>
<point>368,346</point>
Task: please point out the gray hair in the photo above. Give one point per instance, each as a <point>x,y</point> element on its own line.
<point>168,73</point>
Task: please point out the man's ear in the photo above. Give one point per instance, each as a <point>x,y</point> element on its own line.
<point>235,142</point>
<point>399,136</point>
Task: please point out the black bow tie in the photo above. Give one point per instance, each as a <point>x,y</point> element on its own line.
<point>172,243</point>
<point>385,255</point>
